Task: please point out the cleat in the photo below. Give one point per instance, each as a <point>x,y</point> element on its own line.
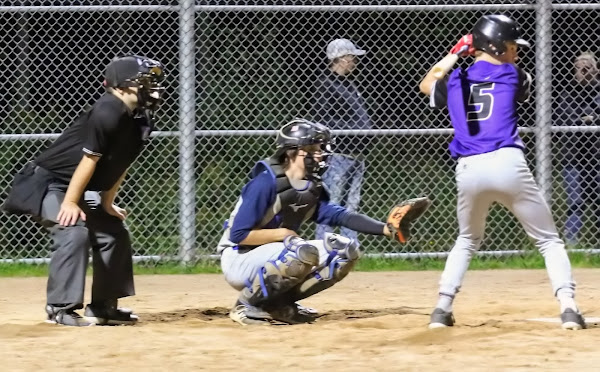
<point>293,314</point>
<point>107,313</point>
<point>249,315</point>
<point>67,317</point>
<point>441,319</point>
<point>572,320</point>
<point>307,311</point>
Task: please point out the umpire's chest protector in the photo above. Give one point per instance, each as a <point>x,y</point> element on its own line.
<point>293,205</point>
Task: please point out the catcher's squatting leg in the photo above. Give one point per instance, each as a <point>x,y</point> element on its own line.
<point>303,269</point>
<point>338,255</point>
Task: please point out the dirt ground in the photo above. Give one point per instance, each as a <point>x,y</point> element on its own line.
<point>371,321</point>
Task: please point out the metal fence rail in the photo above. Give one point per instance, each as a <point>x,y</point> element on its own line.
<point>288,8</point>
<point>336,132</point>
<point>240,69</point>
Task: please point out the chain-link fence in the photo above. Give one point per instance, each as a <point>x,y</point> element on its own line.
<point>240,69</point>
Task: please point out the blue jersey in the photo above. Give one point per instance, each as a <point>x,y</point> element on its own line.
<point>482,102</point>
<point>255,203</point>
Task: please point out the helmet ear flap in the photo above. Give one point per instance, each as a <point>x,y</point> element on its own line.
<point>496,48</point>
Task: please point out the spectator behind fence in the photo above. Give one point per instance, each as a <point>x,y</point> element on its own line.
<point>338,104</point>
<point>579,104</point>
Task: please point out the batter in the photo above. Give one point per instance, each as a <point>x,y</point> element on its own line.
<point>482,102</point>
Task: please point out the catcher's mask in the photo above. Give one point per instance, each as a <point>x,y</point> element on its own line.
<point>141,72</point>
<point>299,133</point>
<point>491,32</point>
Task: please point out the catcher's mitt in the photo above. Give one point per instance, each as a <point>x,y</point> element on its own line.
<point>400,217</point>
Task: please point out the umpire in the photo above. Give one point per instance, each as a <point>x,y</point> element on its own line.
<point>70,189</point>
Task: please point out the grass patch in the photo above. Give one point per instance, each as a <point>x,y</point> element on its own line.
<point>21,269</point>
<point>531,260</point>
<point>528,261</point>
<point>174,268</point>
<point>398,264</point>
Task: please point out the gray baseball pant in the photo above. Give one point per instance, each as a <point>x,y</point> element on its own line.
<point>109,240</point>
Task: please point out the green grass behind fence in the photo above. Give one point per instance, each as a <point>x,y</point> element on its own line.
<point>528,261</point>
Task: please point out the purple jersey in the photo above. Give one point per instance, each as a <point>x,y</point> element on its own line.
<point>482,103</point>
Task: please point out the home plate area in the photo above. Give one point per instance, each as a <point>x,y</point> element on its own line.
<point>591,322</point>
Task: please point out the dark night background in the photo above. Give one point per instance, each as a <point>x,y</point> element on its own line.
<point>254,70</point>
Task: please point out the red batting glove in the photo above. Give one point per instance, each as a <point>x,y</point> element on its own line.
<point>464,47</point>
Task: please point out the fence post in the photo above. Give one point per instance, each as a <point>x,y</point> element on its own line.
<point>543,91</point>
<point>187,125</point>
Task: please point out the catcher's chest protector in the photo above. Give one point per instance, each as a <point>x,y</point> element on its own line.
<point>292,205</point>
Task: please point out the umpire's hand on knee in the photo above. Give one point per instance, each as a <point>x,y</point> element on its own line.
<point>69,214</point>
<point>114,210</point>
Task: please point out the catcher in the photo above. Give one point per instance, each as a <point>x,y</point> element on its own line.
<point>262,255</point>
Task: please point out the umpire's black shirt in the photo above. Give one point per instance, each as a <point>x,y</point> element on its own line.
<point>108,130</point>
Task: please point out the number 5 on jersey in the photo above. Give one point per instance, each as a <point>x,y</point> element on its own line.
<point>480,106</point>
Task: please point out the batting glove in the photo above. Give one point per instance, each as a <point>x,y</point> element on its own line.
<point>464,47</point>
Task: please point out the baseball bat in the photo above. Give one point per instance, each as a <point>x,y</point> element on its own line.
<point>438,72</point>
<point>440,69</point>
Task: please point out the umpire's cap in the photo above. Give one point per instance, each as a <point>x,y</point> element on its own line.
<point>125,71</point>
<point>495,30</point>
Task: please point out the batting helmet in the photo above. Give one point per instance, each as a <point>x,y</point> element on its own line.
<point>492,31</point>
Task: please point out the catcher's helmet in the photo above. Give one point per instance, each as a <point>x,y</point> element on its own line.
<point>302,132</point>
<point>137,71</point>
<point>492,31</point>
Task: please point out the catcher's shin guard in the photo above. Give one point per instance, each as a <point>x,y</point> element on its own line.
<point>280,275</point>
<point>343,255</point>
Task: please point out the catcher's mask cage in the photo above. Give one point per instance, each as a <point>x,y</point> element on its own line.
<point>301,132</point>
<point>491,32</point>
<point>148,78</point>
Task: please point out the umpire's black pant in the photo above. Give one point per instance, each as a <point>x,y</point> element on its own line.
<point>109,240</point>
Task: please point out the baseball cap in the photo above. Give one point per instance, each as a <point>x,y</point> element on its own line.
<point>341,47</point>
<point>120,70</point>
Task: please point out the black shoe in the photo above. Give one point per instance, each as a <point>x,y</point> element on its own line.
<point>293,314</point>
<point>572,320</point>
<point>441,319</point>
<point>68,317</point>
<point>107,313</point>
